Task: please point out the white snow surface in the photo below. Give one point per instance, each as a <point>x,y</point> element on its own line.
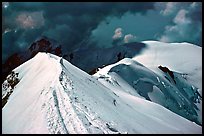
<point>53,96</point>
<point>147,80</point>
<point>179,57</point>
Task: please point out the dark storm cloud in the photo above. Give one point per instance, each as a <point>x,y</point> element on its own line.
<point>78,24</point>
<point>82,18</point>
<point>68,23</point>
<point>168,22</point>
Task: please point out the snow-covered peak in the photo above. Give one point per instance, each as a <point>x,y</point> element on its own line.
<point>53,96</point>
<point>184,58</point>
<point>41,44</point>
<point>176,56</point>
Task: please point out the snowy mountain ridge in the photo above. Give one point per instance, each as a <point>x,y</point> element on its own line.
<point>133,95</point>
<point>63,99</point>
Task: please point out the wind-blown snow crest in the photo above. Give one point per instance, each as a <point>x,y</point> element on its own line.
<point>53,96</point>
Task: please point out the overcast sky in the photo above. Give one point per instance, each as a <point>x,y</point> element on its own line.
<point>99,24</point>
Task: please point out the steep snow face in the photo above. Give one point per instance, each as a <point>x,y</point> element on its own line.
<point>54,96</point>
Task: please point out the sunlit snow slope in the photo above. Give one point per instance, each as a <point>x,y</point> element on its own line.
<point>183,58</point>
<point>54,96</point>
<point>169,74</point>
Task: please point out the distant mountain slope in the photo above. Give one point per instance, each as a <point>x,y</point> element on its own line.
<point>89,59</point>
<point>53,96</point>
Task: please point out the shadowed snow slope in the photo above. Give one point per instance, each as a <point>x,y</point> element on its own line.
<point>54,96</point>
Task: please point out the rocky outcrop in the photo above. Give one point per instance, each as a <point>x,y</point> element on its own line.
<point>166,70</point>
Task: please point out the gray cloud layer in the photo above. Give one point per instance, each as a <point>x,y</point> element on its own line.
<point>77,23</point>
<point>68,23</point>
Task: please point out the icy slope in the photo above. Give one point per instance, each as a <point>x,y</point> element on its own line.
<point>54,96</point>
<point>178,96</point>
